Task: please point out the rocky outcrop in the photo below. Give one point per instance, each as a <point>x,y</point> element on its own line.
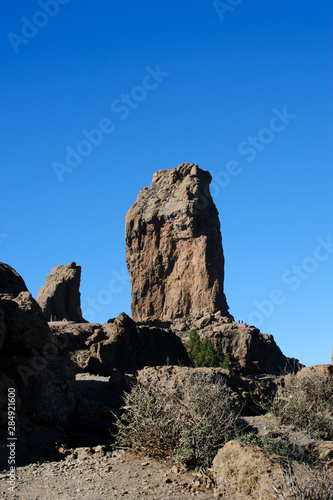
<point>30,364</point>
<point>127,346</point>
<point>60,296</point>
<point>10,281</point>
<point>121,345</point>
<point>300,442</point>
<point>130,347</point>
<point>26,327</point>
<point>249,351</point>
<point>174,248</point>
<point>245,471</point>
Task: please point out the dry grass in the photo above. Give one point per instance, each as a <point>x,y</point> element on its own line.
<point>80,357</point>
<point>306,401</point>
<point>188,423</point>
<point>305,484</point>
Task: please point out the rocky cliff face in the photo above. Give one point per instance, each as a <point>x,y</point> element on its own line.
<point>31,364</point>
<point>60,296</point>
<point>249,351</point>
<point>121,345</point>
<point>174,248</point>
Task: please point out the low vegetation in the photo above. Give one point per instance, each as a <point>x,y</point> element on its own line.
<point>80,357</point>
<point>306,401</point>
<point>203,353</point>
<point>187,423</point>
<point>278,445</point>
<point>304,484</point>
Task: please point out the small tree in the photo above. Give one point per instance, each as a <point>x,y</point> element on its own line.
<point>203,353</point>
<point>194,347</point>
<point>208,356</point>
<point>227,365</point>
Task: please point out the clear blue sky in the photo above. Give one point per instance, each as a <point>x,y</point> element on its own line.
<point>244,91</point>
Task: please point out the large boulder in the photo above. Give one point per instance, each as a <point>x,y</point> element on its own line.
<point>121,345</point>
<point>11,285</point>
<point>47,389</point>
<point>245,471</point>
<point>30,364</point>
<point>174,248</point>
<point>26,327</point>
<point>249,351</point>
<point>10,281</point>
<point>60,296</point>
<point>2,326</point>
<point>129,346</point>
<point>72,337</point>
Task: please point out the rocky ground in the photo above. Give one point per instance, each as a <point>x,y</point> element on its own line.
<point>97,474</point>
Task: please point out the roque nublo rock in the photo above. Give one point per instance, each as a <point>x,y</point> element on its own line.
<point>174,248</point>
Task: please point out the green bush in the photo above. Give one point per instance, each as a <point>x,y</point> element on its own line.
<point>306,401</point>
<point>278,445</point>
<point>203,353</point>
<point>187,423</point>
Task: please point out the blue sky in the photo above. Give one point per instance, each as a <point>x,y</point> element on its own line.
<point>97,96</point>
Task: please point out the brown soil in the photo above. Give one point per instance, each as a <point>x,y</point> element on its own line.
<point>99,474</point>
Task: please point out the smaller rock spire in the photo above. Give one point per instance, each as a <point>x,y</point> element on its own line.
<point>59,298</point>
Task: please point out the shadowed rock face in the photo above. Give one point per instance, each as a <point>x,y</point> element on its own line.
<point>121,345</point>
<point>30,363</point>
<point>10,281</point>
<point>174,248</point>
<point>60,296</point>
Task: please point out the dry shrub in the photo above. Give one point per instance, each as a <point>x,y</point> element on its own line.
<point>80,357</point>
<point>306,401</point>
<point>305,484</point>
<point>186,423</point>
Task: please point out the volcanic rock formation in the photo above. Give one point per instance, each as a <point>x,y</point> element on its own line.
<point>121,345</point>
<point>60,296</point>
<point>249,351</point>
<point>31,365</point>
<point>174,248</point>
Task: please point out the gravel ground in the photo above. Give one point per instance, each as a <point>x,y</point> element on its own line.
<point>99,474</point>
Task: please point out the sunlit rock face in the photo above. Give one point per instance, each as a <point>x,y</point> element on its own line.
<point>174,248</point>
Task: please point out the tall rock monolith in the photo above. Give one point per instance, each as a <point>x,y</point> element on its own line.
<point>174,248</point>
